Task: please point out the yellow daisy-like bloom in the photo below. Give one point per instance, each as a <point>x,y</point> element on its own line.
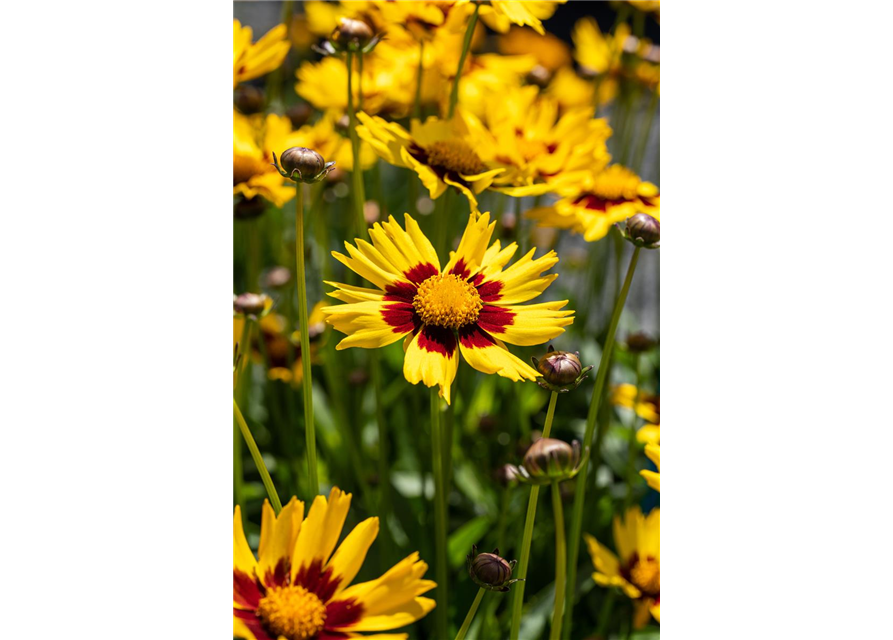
<point>439,151</point>
<point>472,305</point>
<point>254,60</point>
<point>602,54</point>
<point>499,15</point>
<point>550,51</point>
<point>598,201</point>
<point>325,139</point>
<point>647,407</point>
<point>649,434</point>
<point>637,569</point>
<point>538,149</point>
<point>297,589</point>
<point>652,478</point>
<point>255,139</point>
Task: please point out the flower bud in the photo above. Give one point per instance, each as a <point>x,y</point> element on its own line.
<point>299,114</point>
<point>248,208</point>
<point>561,370</point>
<point>643,231</point>
<point>249,99</point>
<point>276,277</point>
<point>251,304</point>
<point>352,34</point>
<point>342,125</point>
<point>302,165</point>
<point>539,76</point>
<point>550,460</point>
<point>489,571</point>
<point>507,475</point>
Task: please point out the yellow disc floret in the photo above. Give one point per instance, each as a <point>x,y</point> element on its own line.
<point>455,156</point>
<point>292,612</point>
<point>645,574</point>
<point>447,301</point>
<point>616,183</point>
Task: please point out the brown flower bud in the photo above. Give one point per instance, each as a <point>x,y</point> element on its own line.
<point>249,99</point>
<point>299,114</point>
<point>306,161</point>
<point>352,33</point>
<point>342,125</point>
<point>507,475</point>
<point>490,571</point>
<point>250,304</point>
<point>549,459</point>
<point>539,76</point>
<point>248,208</point>
<point>644,229</point>
<point>639,342</point>
<point>276,277</point>
<point>560,368</point>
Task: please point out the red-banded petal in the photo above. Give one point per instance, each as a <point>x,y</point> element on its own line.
<point>522,281</point>
<point>369,267</point>
<point>526,325</point>
<point>248,626</point>
<point>371,324</point>
<point>320,531</point>
<point>350,293</point>
<point>275,551</point>
<point>495,258</point>
<point>407,247</point>
<point>487,354</point>
<point>350,554</point>
<point>467,258</point>
<point>431,358</point>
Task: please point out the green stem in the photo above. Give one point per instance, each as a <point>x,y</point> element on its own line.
<point>359,192</point>
<point>417,104</point>
<point>470,616</point>
<point>258,460</point>
<point>631,455</point>
<point>639,154</point>
<point>604,616</point>
<point>244,373</point>
<point>518,600</point>
<point>560,562</point>
<point>441,213</point>
<point>466,45</point>
<point>440,516</point>
<point>304,325</point>
<point>384,481</point>
<point>580,493</point>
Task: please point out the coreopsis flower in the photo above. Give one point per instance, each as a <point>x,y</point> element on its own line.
<point>551,52</point>
<point>649,434</point>
<point>255,139</point>
<point>647,405</point>
<point>439,151</point>
<point>539,149</point>
<point>298,589</point>
<point>596,202</point>
<point>601,54</point>
<point>472,305</point>
<point>499,15</point>
<point>663,458</point>
<point>326,138</point>
<point>636,567</point>
<point>257,59</point>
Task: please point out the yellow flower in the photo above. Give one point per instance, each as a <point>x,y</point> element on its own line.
<point>500,14</point>
<point>538,148</point>
<point>652,478</point>
<point>255,139</point>
<point>649,434</point>
<point>439,151</point>
<point>637,569</point>
<point>325,139</point>
<point>551,52</point>
<point>254,60</point>
<point>597,201</point>
<point>298,589</point>
<point>472,304</point>
<point>595,51</point>
<point>647,407</point>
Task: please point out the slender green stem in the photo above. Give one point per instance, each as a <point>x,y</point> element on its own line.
<point>631,454</point>
<point>304,325</point>
<point>560,562</point>
<point>604,616</point>
<point>466,45</point>
<point>359,191</point>
<point>518,601</point>
<point>384,481</point>
<point>580,493</point>
<point>359,80</point>
<point>258,459</point>
<point>417,103</point>
<point>441,218</point>
<point>470,616</point>
<point>440,516</point>
<point>639,154</point>
<point>243,373</point>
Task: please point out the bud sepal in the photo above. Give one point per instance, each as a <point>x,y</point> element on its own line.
<point>549,460</point>
<point>489,571</point>
<point>561,371</point>
<point>642,230</point>
<point>299,161</point>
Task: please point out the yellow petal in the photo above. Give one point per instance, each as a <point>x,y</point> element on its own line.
<point>320,532</point>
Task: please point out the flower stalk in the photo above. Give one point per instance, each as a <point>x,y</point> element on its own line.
<point>359,191</point>
<point>307,383</point>
<point>466,45</point>
<point>597,393</point>
<point>468,618</point>
<point>518,602</point>
<point>560,561</point>
<point>258,459</point>
<point>440,515</point>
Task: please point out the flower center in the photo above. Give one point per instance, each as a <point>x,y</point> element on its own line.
<point>455,156</point>
<point>616,183</point>
<point>292,612</point>
<point>645,574</point>
<point>447,301</point>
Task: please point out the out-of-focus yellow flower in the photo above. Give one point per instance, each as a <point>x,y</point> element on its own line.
<point>538,148</point>
<point>485,79</point>
<point>297,588</point>
<point>254,60</point>
<point>439,151</point>
<point>597,201</point>
<point>652,478</point>
<point>385,88</point>
<point>422,20</point>
<point>325,139</point>
<point>499,15</point>
<point>598,52</point>
<point>255,139</point>
<point>635,569</point>
<point>550,52</point>
<point>647,407</point>
<point>470,306</point>
<point>649,434</point>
